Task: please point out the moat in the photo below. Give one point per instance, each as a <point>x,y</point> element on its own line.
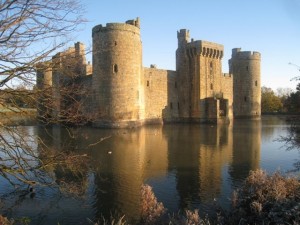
<point>188,166</point>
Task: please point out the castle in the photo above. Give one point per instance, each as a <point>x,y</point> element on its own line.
<point>123,93</point>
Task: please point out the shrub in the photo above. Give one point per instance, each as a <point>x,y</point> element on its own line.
<point>266,199</point>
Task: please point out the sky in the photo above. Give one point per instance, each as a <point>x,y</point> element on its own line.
<point>271,27</point>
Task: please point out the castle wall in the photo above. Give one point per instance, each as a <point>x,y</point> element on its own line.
<point>117,74</point>
<point>227,91</point>
<point>161,99</point>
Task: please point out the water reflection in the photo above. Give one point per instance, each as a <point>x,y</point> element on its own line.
<point>246,149</point>
<point>189,166</point>
<point>197,156</point>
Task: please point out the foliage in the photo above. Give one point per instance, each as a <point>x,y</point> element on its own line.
<point>270,103</point>
<point>152,210</point>
<point>292,102</point>
<point>21,221</point>
<point>267,199</point>
<point>5,221</point>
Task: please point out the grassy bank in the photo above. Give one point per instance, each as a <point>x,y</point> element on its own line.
<point>17,116</point>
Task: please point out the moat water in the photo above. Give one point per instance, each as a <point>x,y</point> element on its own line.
<point>188,166</point>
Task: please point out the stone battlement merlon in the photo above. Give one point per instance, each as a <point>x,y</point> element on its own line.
<point>135,22</point>
<point>128,26</point>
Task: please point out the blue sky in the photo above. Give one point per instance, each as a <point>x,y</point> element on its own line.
<point>271,27</point>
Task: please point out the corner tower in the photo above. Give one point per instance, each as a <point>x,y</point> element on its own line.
<point>117,70</point>
<point>245,67</point>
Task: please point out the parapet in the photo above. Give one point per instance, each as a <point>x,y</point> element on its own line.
<point>245,55</point>
<point>135,22</point>
<point>130,25</point>
<point>206,49</point>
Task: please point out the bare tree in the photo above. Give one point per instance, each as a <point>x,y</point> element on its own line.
<point>31,32</point>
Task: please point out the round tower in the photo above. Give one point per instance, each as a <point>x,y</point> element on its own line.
<point>117,70</point>
<point>245,67</point>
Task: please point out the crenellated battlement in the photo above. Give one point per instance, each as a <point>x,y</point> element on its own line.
<point>130,26</point>
<point>246,55</point>
<point>205,48</point>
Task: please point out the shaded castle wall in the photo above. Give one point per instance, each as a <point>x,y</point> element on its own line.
<point>183,76</point>
<point>227,91</point>
<point>245,67</point>
<point>87,99</point>
<point>44,88</point>
<point>117,70</point>
<point>161,99</point>
<point>61,86</point>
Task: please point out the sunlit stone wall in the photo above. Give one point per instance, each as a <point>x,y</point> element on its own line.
<point>161,99</point>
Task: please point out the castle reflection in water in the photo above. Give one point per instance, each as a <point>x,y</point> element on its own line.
<point>187,165</point>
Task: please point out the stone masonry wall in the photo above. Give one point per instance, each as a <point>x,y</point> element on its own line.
<point>227,90</point>
<point>161,100</point>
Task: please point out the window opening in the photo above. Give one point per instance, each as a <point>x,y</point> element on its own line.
<point>115,68</point>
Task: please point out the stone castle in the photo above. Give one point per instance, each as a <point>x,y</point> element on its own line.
<point>123,93</point>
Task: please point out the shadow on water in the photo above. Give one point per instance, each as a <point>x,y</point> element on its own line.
<point>188,166</point>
